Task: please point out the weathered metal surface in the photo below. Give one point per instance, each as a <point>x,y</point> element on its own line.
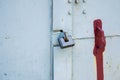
<point>24,39</point>
<point>111,59</point>
<point>62,20</point>
<point>83,62</point>
<point>62,63</point>
<point>62,15</point>
<point>84,66</point>
<point>84,14</point>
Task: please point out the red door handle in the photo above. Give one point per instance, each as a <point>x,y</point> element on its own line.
<point>99,48</point>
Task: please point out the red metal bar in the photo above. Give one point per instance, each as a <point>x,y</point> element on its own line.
<point>99,48</point>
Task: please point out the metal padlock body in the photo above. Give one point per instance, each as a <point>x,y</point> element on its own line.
<point>63,43</point>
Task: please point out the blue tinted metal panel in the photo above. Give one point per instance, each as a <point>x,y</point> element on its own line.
<point>25,39</point>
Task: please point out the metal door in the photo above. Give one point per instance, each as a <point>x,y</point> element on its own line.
<point>62,19</point>
<point>25,39</point>
<point>76,18</point>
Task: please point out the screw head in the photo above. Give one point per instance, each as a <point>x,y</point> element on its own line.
<point>69,13</point>
<point>84,1</point>
<point>69,1</point>
<point>84,12</point>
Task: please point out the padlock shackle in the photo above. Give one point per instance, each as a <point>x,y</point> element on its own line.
<point>61,30</point>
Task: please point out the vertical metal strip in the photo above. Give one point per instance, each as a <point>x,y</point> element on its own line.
<point>51,46</point>
<point>99,65</point>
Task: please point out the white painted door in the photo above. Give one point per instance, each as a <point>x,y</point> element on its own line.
<point>62,19</point>
<point>78,63</point>
<point>25,39</point>
<point>84,13</point>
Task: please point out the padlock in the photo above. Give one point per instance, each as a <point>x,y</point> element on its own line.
<point>65,40</point>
